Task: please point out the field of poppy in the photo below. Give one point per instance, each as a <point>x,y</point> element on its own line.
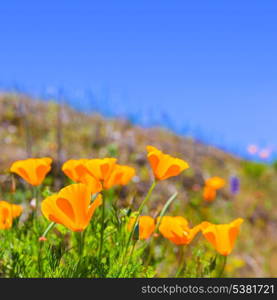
<point>84,196</point>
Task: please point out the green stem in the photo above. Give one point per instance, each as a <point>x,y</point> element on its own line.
<point>41,245</point>
<point>139,212</point>
<point>102,229</point>
<point>81,242</point>
<point>147,198</point>
<point>168,202</point>
<point>49,227</point>
<point>36,193</point>
<point>223,266</point>
<point>181,264</point>
<point>40,266</point>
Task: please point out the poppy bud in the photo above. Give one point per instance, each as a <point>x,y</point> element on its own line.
<point>136,232</point>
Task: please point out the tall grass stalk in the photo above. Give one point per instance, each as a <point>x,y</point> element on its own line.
<point>146,199</point>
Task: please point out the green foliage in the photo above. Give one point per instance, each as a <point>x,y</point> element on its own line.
<point>23,255</point>
<point>66,254</point>
<point>254,170</point>
<point>112,150</point>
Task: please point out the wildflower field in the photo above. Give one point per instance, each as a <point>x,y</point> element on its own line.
<point>84,196</point>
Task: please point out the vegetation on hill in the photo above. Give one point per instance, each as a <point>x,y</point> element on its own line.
<point>33,128</point>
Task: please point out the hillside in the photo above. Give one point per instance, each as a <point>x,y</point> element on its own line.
<point>29,127</point>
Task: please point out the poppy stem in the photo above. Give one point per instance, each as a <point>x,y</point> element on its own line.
<point>40,265</point>
<point>182,262</point>
<point>49,227</point>
<point>81,241</point>
<point>147,197</point>
<point>168,202</point>
<point>223,266</point>
<point>35,196</point>
<point>102,229</point>
<point>163,211</point>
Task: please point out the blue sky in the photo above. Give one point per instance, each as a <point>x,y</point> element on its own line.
<point>211,66</point>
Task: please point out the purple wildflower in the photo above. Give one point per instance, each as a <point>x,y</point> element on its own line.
<point>234,185</point>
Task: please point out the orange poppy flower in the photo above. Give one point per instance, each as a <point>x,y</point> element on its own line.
<point>176,229</point>
<point>6,218</point>
<point>222,236</point>
<point>75,168</point>
<point>120,175</point>
<point>211,186</point>
<point>32,170</point>
<point>15,209</point>
<point>215,182</point>
<point>93,183</point>
<point>101,169</point>
<point>164,165</point>
<point>209,194</point>
<point>146,226</point>
<point>71,207</point>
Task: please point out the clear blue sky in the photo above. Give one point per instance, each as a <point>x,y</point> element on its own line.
<point>210,64</point>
